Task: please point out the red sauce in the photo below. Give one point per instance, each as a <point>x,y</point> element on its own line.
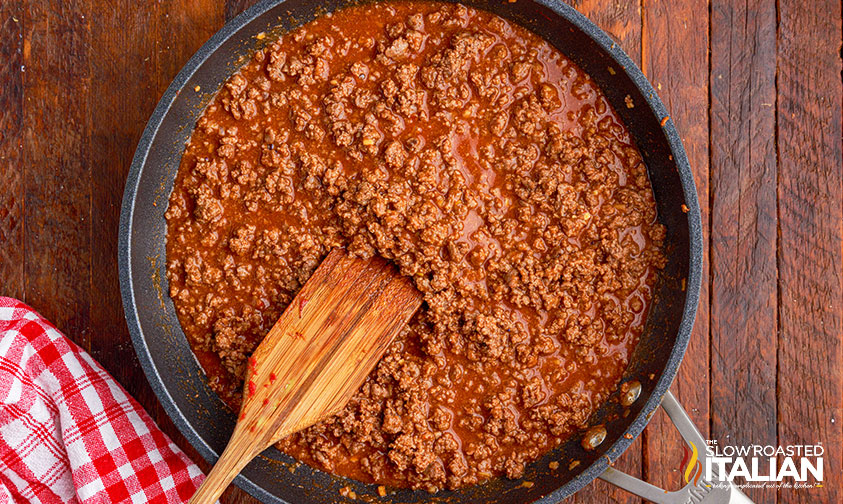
<point>485,165</point>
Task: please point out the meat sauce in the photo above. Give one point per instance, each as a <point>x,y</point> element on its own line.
<point>484,164</point>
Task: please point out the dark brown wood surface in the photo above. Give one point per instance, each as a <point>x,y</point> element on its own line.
<point>753,86</point>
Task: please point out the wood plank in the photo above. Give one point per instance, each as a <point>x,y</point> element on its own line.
<point>622,21</point>
<point>743,225</point>
<point>125,35</point>
<point>128,34</point>
<point>674,42</point>
<point>57,188</point>
<point>810,191</point>
<point>185,26</point>
<point>182,27</point>
<point>235,7</point>
<point>142,34</point>
<point>11,158</point>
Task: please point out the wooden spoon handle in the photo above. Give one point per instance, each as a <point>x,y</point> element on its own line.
<point>233,459</point>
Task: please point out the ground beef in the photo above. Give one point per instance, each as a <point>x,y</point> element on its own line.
<point>486,166</point>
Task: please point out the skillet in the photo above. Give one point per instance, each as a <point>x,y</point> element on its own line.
<point>274,477</point>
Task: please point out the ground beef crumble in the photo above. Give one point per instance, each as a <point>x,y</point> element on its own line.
<point>487,167</point>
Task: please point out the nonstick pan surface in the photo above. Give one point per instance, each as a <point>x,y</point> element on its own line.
<point>274,477</point>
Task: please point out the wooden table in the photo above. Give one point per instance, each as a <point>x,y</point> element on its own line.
<point>754,88</point>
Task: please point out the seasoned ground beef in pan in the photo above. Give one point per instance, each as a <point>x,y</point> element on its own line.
<point>482,162</point>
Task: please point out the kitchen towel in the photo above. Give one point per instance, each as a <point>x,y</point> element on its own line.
<point>69,432</point>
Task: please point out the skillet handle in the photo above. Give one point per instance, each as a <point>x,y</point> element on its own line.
<point>718,490</point>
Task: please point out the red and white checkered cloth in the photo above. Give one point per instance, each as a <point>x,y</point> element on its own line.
<point>69,432</point>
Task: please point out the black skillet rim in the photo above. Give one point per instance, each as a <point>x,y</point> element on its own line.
<point>656,107</point>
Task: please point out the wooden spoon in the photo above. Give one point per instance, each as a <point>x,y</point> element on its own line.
<point>315,357</point>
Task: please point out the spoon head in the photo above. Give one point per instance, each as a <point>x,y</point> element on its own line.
<point>324,345</point>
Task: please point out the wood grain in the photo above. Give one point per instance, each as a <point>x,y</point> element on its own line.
<point>116,121</point>
<point>184,26</point>
<point>78,84</point>
<point>57,187</point>
<point>123,57</point>
<point>327,342</point>
<point>173,33</point>
<point>127,79</point>
<point>12,256</point>
<point>235,7</point>
<point>743,225</point>
<point>621,20</point>
<point>674,43</point>
<point>810,259</point>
